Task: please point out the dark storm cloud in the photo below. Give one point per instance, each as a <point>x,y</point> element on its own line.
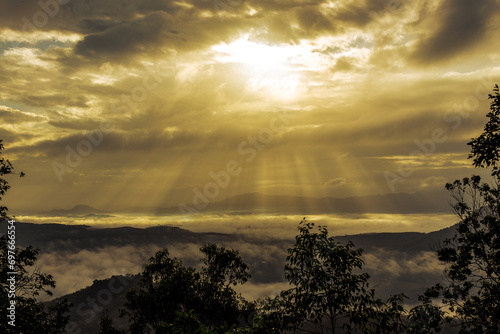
<point>461,25</point>
<point>311,19</point>
<point>9,136</point>
<point>12,12</point>
<point>361,14</point>
<point>93,16</point>
<point>141,35</point>
<point>143,141</point>
<point>152,34</point>
<point>75,15</point>
<point>92,26</point>
<point>278,6</point>
<point>121,29</point>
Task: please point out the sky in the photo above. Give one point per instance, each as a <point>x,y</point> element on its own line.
<point>133,103</point>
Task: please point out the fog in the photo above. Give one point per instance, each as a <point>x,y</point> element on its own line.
<point>275,226</point>
<point>397,263</point>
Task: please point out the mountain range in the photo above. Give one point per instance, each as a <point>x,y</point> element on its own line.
<point>90,303</point>
<point>252,203</point>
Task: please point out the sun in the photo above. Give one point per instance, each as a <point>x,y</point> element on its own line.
<point>252,54</point>
<point>270,68</point>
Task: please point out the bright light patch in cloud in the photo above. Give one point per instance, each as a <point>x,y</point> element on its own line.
<point>256,56</point>
<point>8,35</point>
<point>272,69</point>
<point>26,57</point>
<point>284,87</point>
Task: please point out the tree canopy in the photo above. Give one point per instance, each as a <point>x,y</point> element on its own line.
<point>172,295</point>
<point>485,149</point>
<point>5,169</point>
<point>28,281</point>
<point>472,291</point>
<point>30,315</point>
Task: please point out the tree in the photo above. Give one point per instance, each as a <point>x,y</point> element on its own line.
<point>472,290</point>
<point>485,149</point>
<point>473,257</point>
<point>172,295</point>
<point>222,269</point>
<point>30,315</point>
<point>327,293</point>
<point>27,282</point>
<point>330,293</point>
<point>425,318</point>
<point>5,169</point>
<point>106,326</point>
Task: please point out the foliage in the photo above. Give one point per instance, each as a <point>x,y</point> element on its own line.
<point>30,316</point>
<point>222,268</point>
<point>327,292</point>
<point>485,149</point>
<point>375,316</point>
<point>473,257</point>
<point>472,291</point>
<point>5,169</point>
<point>425,318</point>
<point>106,326</point>
<point>172,296</point>
<point>330,293</point>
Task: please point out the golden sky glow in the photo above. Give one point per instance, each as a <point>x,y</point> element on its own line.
<point>139,103</point>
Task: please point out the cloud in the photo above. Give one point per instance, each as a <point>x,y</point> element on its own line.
<point>342,64</point>
<point>76,15</point>
<point>397,272</point>
<point>345,75</point>
<point>73,271</point>
<point>350,77</point>
<point>75,268</point>
<point>9,136</point>
<point>10,115</point>
<point>312,20</point>
<point>131,38</point>
<point>460,25</point>
<point>434,182</point>
<point>364,13</point>
<point>391,271</point>
<point>337,182</point>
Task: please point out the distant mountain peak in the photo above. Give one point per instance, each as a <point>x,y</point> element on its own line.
<point>83,207</point>
<point>255,202</point>
<point>79,209</point>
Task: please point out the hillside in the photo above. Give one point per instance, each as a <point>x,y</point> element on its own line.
<point>90,303</point>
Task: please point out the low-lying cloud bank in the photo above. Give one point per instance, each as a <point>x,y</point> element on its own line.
<point>77,255</point>
<point>263,225</point>
<point>391,271</point>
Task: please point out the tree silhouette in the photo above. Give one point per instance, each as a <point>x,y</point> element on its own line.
<point>5,169</point>
<point>328,293</point>
<point>172,296</point>
<point>472,291</point>
<point>30,315</point>
<point>106,326</point>
<point>485,149</point>
<point>331,295</point>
